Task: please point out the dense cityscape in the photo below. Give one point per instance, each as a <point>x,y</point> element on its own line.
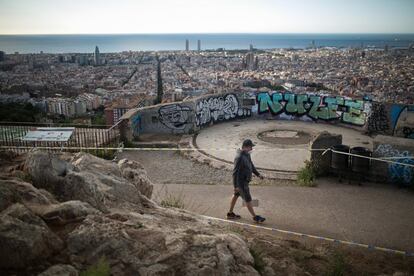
<point>217,137</point>
<point>73,85</point>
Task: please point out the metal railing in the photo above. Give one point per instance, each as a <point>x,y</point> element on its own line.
<point>84,136</point>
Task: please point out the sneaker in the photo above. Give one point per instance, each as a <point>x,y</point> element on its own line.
<point>259,219</point>
<point>232,216</point>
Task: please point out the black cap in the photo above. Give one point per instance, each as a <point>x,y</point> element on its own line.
<point>248,143</point>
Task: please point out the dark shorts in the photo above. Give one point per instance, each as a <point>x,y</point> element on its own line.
<point>244,193</point>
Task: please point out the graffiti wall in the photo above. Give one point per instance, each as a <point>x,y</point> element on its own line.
<point>175,116</point>
<point>185,117</point>
<point>378,121</point>
<point>169,118</point>
<point>315,107</point>
<point>188,116</point>
<point>392,119</point>
<point>222,108</point>
<point>398,173</point>
<point>402,119</point>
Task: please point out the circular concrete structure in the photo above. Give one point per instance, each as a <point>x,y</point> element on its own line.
<point>281,145</point>
<point>285,137</point>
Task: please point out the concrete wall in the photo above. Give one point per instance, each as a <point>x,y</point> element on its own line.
<point>185,117</point>
<point>190,116</point>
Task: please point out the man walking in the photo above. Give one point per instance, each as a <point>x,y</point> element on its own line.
<point>242,175</point>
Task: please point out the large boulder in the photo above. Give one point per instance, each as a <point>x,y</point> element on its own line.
<point>24,238</point>
<point>86,187</point>
<point>111,180</point>
<point>100,190</point>
<point>47,170</point>
<point>99,182</point>
<point>15,190</point>
<point>67,212</point>
<point>136,174</point>
<point>87,162</point>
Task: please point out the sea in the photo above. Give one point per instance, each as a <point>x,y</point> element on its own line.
<point>109,43</point>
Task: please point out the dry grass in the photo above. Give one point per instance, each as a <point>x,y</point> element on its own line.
<point>168,199</point>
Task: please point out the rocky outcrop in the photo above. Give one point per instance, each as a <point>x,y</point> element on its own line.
<point>13,190</point>
<point>135,173</point>
<point>104,211</point>
<point>152,245</point>
<point>60,270</point>
<point>25,239</point>
<point>100,183</point>
<point>46,170</point>
<point>66,212</point>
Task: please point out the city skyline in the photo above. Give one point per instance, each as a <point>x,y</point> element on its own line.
<point>185,16</point>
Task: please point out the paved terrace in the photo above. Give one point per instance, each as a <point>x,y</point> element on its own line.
<point>278,147</point>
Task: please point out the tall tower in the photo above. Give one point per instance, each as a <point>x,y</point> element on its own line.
<point>96,57</point>
<point>187,45</point>
<point>199,45</point>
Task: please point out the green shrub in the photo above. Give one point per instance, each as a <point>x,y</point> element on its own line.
<point>101,268</point>
<point>173,201</point>
<point>129,144</point>
<point>337,266</point>
<point>307,175</point>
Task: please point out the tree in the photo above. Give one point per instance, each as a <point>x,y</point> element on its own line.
<point>160,91</point>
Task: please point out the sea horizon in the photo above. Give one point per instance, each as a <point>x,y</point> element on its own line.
<point>111,43</point>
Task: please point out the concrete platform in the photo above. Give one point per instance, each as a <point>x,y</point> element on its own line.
<point>222,140</point>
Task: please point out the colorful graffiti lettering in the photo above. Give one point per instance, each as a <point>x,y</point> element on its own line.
<point>174,116</point>
<point>136,125</point>
<point>215,109</point>
<point>398,173</point>
<point>314,106</point>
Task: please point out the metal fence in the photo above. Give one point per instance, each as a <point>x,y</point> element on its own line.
<point>83,137</point>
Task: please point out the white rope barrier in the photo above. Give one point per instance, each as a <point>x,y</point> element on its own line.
<point>121,148</point>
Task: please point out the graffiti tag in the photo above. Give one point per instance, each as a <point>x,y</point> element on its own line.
<point>174,116</point>
<point>136,125</point>
<point>398,173</point>
<point>215,109</point>
<point>378,121</point>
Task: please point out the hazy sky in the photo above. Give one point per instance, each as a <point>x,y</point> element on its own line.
<point>206,16</point>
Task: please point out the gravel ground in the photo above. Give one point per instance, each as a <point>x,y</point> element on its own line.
<point>170,167</point>
<point>166,167</point>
